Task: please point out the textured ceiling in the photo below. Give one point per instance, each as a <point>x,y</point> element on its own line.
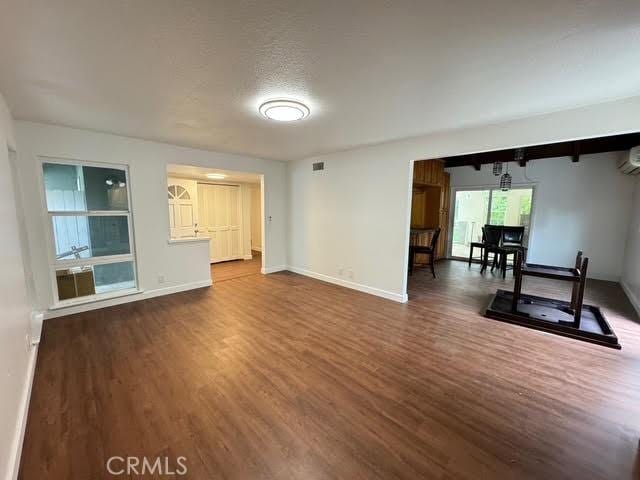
<point>192,72</point>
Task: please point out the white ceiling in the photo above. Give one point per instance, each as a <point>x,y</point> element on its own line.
<point>200,174</point>
<point>192,72</point>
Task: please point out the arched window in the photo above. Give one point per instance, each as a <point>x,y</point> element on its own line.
<point>177,192</point>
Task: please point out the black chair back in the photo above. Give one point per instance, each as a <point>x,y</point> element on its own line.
<point>513,235</point>
<point>493,235</point>
<point>434,240</point>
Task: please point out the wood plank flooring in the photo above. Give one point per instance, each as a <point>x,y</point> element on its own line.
<point>236,268</point>
<point>286,377</point>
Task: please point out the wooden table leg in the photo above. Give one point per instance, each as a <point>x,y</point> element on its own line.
<point>580,297</point>
<point>517,286</point>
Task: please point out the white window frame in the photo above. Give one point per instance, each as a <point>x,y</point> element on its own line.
<point>55,264</point>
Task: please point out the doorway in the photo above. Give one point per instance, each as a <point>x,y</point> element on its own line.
<point>474,208</point>
<point>223,208</point>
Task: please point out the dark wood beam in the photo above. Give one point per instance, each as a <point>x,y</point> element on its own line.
<point>573,150</point>
<point>476,164</point>
<point>523,161</point>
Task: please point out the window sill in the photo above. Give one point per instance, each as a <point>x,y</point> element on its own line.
<point>94,298</point>
<point>172,241</point>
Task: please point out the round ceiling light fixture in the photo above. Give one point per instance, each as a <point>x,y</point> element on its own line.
<point>284,110</point>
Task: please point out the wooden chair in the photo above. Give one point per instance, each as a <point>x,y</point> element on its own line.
<point>430,250</point>
<point>479,245</point>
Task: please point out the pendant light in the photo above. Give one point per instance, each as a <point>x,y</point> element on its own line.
<point>497,168</point>
<point>505,181</point>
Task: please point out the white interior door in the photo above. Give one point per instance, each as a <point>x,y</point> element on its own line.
<point>182,218</point>
<point>220,218</point>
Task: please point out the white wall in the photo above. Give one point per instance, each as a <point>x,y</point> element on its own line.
<point>183,265</point>
<point>356,213</point>
<point>256,218</point>
<point>631,270</point>
<point>577,206</point>
<point>16,359</point>
<point>245,191</point>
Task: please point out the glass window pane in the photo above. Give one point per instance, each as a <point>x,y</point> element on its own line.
<point>89,280</point>
<point>114,276</point>
<point>74,188</point>
<point>64,187</point>
<point>75,282</point>
<point>94,236</point>
<point>470,215</point>
<point>71,235</point>
<point>106,188</point>
<point>512,208</point>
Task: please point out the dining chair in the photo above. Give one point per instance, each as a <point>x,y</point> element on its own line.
<point>479,245</point>
<point>430,250</point>
<point>493,244</point>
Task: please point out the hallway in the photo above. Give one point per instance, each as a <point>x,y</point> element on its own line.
<point>236,268</point>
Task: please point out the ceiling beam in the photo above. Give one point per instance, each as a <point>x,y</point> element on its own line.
<point>575,158</point>
<point>573,150</point>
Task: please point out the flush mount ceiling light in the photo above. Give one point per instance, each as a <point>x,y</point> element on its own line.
<point>284,110</point>
<point>216,176</point>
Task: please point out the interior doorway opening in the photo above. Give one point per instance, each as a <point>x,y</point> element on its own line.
<point>224,207</point>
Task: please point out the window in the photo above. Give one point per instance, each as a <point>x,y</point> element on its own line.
<point>473,209</point>
<point>178,192</point>
<point>90,220</point>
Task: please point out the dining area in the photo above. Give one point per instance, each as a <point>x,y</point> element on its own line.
<point>500,244</point>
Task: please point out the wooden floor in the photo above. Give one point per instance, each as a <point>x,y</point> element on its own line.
<point>286,377</point>
<point>223,271</point>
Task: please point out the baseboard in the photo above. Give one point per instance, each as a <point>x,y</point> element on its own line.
<point>279,268</point>
<point>631,296</point>
<point>353,285</point>
<point>18,439</point>
<point>127,299</point>
<point>257,249</point>
<point>605,277</point>
<point>247,257</point>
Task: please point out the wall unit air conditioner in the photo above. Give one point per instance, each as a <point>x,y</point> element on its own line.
<point>629,164</point>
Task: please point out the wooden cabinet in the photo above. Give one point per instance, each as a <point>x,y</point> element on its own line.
<point>429,172</point>
<point>430,204</point>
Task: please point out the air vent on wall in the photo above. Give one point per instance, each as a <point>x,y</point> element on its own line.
<point>630,163</point>
<point>318,166</point>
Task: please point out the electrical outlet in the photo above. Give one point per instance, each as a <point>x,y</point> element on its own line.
<point>350,273</point>
<point>162,278</point>
<point>340,271</point>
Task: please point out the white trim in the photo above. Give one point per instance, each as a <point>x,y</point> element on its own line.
<point>396,297</point>
<point>256,249</point>
<point>142,295</point>
<point>174,241</point>
<point>278,268</point>
<point>94,298</point>
<point>92,261</point>
<point>18,439</point>
<point>631,296</point>
<point>247,257</point>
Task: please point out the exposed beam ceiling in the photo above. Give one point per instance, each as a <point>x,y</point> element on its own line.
<point>572,149</point>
